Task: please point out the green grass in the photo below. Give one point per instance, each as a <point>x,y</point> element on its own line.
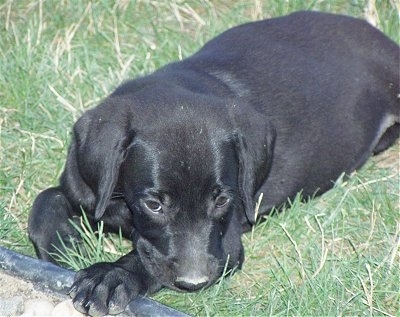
<point>335,255</point>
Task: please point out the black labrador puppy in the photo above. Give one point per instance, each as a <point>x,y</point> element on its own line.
<point>177,159</point>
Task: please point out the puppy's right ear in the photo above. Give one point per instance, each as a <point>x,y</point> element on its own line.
<point>101,137</point>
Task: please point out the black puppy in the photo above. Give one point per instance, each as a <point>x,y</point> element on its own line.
<point>178,158</point>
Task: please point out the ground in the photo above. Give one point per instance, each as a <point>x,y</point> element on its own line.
<point>13,287</point>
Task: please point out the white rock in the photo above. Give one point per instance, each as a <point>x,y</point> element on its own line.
<point>11,306</point>
<point>38,307</point>
<point>65,308</point>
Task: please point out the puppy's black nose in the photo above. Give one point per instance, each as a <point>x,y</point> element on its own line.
<point>191,284</point>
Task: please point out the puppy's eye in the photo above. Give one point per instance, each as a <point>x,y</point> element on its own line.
<point>221,201</point>
<point>153,206</point>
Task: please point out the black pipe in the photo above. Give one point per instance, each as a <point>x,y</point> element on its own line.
<point>57,279</point>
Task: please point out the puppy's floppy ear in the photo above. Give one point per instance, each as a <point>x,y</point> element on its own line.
<point>102,138</point>
<point>255,139</point>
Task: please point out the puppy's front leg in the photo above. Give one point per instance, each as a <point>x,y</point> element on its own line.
<point>49,223</point>
<point>107,288</point>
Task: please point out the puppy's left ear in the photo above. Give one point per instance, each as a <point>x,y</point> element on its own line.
<point>255,138</point>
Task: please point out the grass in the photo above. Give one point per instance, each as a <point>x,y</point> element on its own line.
<point>94,246</point>
<point>335,255</point>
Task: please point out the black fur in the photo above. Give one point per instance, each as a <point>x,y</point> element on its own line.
<point>177,159</point>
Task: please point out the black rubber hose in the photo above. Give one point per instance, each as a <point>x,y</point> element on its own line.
<point>57,279</point>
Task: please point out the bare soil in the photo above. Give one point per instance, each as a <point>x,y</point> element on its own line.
<point>12,287</point>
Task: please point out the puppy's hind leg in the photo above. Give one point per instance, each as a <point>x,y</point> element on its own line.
<point>388,138</point>
<point>49,221</point>
<point>389,130</point>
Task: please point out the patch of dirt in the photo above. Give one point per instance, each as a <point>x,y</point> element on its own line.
<point>20,298</point>
<point>12,287</point>
<point>30,287</point>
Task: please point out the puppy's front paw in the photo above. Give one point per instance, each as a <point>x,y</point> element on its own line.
<point>104,288</point>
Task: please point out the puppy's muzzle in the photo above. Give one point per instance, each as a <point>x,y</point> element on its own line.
<point>184,272</point>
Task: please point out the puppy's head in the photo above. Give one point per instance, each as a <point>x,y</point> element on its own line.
<point>181,183</point>
<point>188,180</point>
